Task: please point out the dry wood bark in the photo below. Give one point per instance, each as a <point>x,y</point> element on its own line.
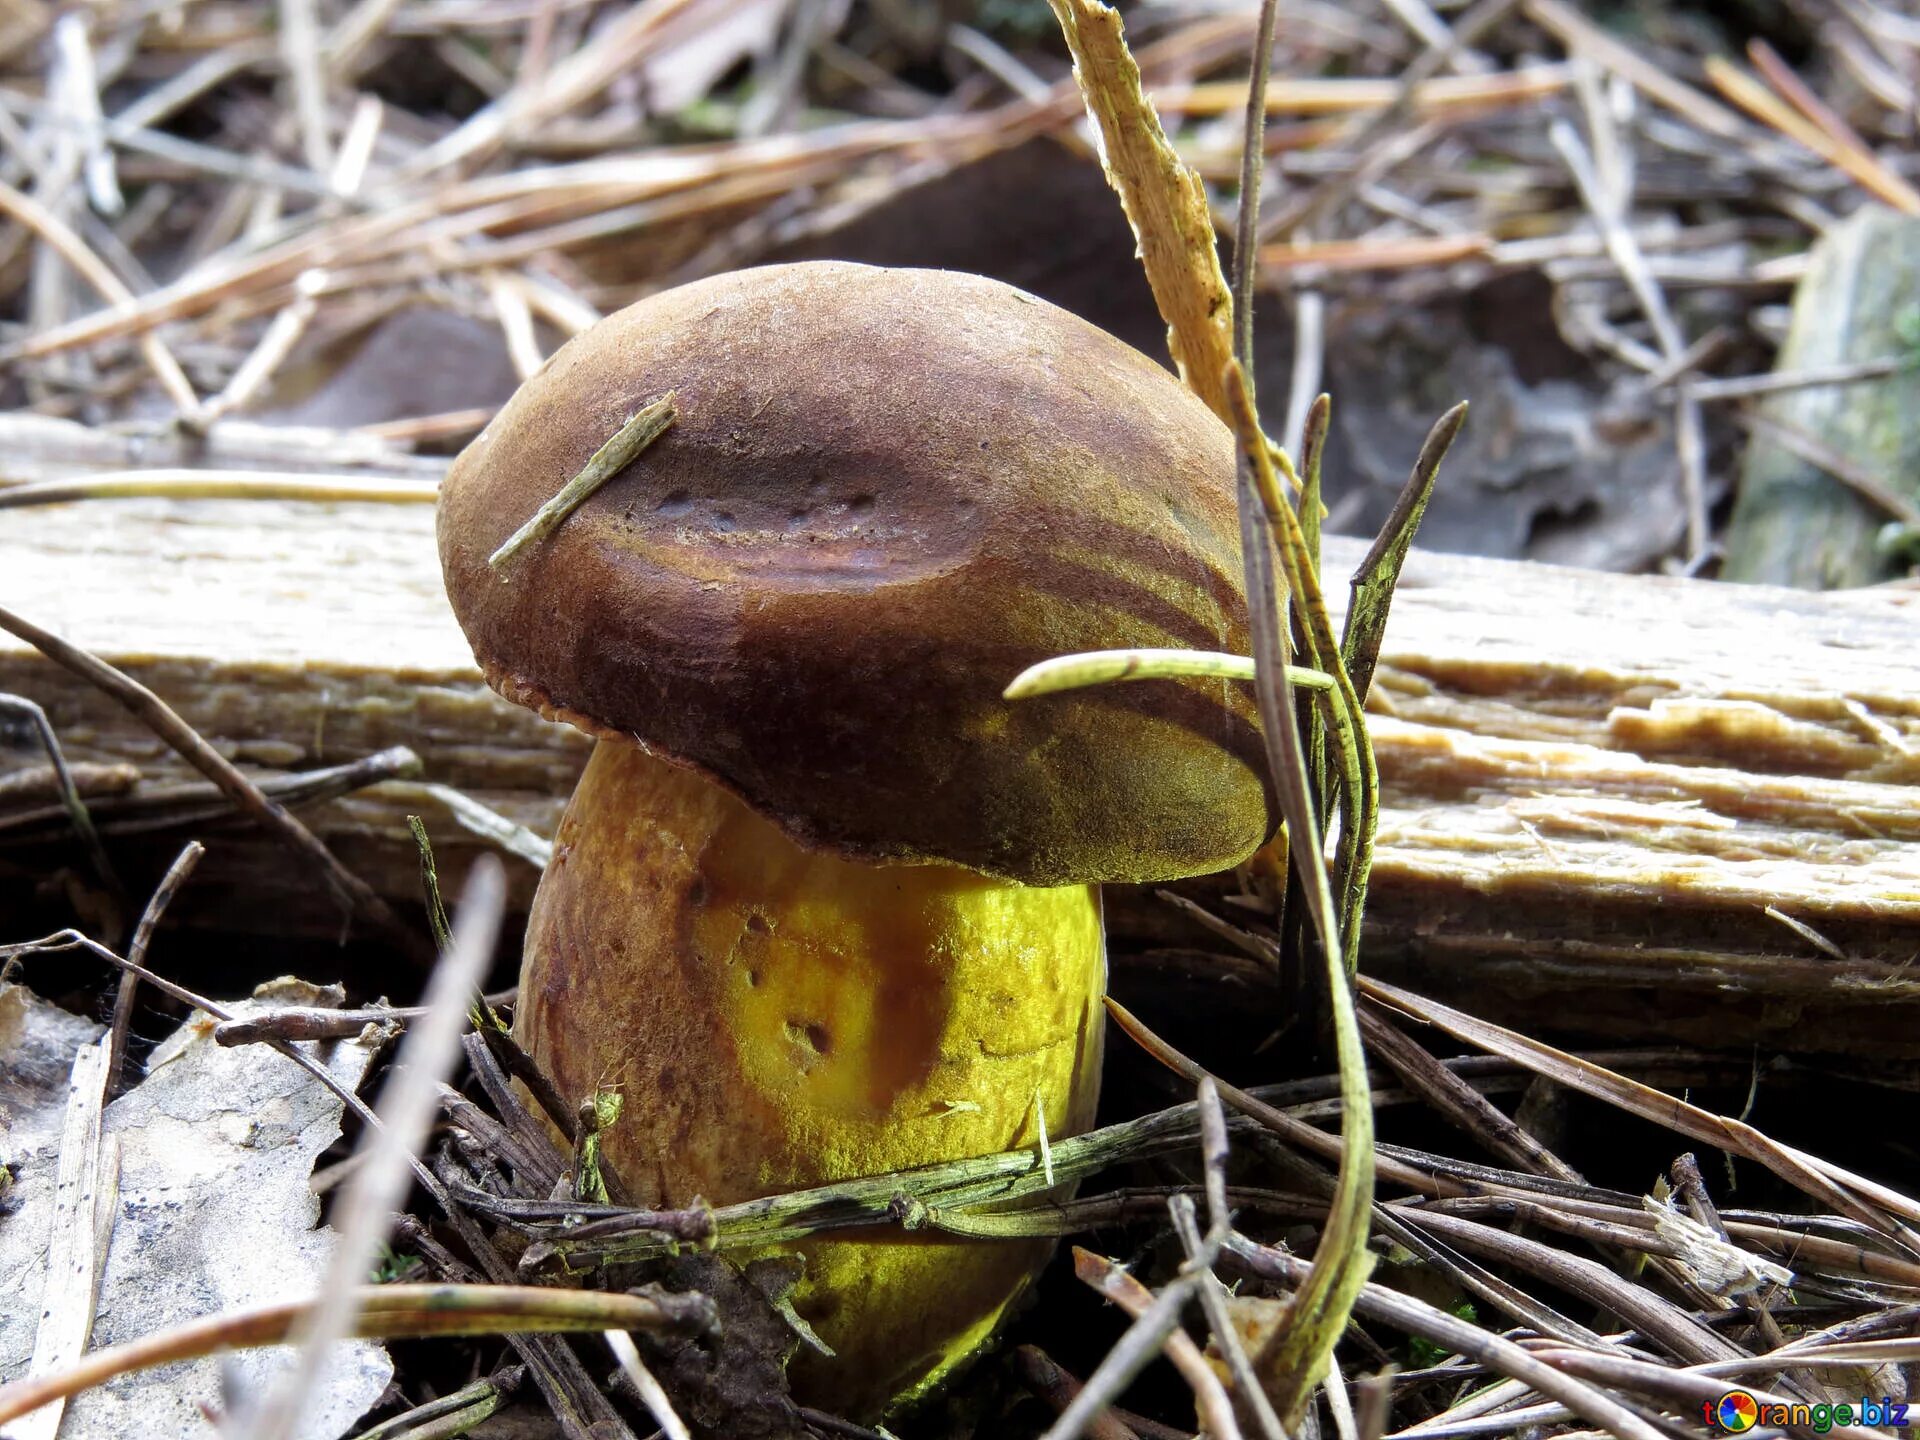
<point>1595,785</point>
<point>1794,523</point>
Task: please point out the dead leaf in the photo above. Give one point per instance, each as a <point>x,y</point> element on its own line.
<point>217,1146</point>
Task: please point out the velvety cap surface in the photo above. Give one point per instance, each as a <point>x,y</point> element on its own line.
<point>886,493</point>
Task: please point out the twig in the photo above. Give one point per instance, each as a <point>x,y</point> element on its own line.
<point>1253,1402</point>
<point>296,1022</point>
<point>1692,1189</point>
<point>1163,198</point>
<point>1154,1328</point>
<point>1878,1206</point>
<point>1581,36</point>
<point>182,484</point>
<point>78,83</point>
<point>92,780</point>
<point>1304,378</point>
<point>1608,213</point>
<point>300,54</point>
<point>513,1059</point>
<point>169,886</point>
<point>1166,204</point>
<point>1338,1406</point>
<point>159,717</point>
<point>649,1390</point>
<point>452,424</point>
<point>1687,1388</point>
<point>275,344</point>
<point>383,1312</point>
<point>516,326</point>
<point>430,886</point>
<point>360,27</point>
<point>1660,1321</point>
<point>1344,95</point>
<point>1466,1107</point>
<point>538,1164</point>
<point>1742,387</point>
<point>1849,472</point>
<point>355,154</point>
<point>460,1411</point>
<point>71,248</point>
<point>171,805</point>
<point>993,57</point>
<point>480,820</point>
<point>1213,1154</point>
<point>70,800</point>
<point>1055,1386</point>
<point>166,99</point>
<point>1859,164</point>
<point>823,1423</point>
<point>1431,30</point>
<point>1392,1166</point>
<point>1380,139</point>
<point>1390,253</point>
<point>641,429</point>
<point>1416,1317</point>
<point>962,1188</point>
<point>581,1410</point>
<point>1374,1407</point>
<point>35,447</point>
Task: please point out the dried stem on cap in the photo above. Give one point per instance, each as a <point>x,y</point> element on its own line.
<point>641,429</point>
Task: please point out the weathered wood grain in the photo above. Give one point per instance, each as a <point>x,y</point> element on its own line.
<point>1595,785</point>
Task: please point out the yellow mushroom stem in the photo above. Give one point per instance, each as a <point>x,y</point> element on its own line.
<point>778,1018</point>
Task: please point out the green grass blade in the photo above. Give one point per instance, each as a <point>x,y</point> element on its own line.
<point>1379,571</point>
<point>1103,667</point>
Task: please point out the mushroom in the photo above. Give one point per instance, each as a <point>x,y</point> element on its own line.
<point>824,903</point>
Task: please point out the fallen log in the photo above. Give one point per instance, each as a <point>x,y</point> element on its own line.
<point>1613,804</point>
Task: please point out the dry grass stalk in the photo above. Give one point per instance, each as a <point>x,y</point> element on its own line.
<point>383,1312</point>
<point>1163,198</point>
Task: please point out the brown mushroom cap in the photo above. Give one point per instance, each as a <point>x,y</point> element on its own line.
<point>886,493</point>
